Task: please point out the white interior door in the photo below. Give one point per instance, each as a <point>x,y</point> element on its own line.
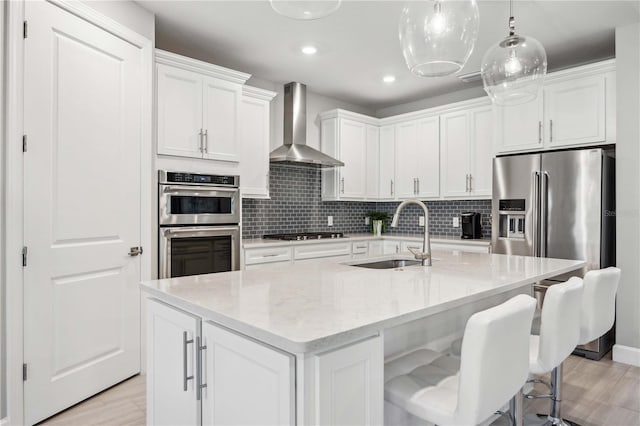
<point>83,118</point>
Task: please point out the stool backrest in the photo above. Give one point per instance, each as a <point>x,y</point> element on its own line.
<point>560,322</point>
<point>598,303</point>
<point>494,361</point>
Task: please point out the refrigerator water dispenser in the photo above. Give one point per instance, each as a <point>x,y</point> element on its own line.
<point>511,220</point>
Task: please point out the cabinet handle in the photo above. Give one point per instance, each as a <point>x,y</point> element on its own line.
<point>418,182</point>
<point>267,183</point>
<point>470,182</point>
<point>392,187</point>
<point>185,378</point>
<point>466,183</point>
<point>539,131</point>
<point>200,134</point>
<point>271,255</point>
<point>397,248</point>
<point>206,141</point>
<point>550,130</point>
<point>199,384</point>
<point>342,185</point>
<point>414,186</point>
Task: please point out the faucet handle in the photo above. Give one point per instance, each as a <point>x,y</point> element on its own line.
<point>419,255</point>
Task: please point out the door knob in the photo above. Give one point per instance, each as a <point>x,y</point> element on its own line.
<point>135,251</point>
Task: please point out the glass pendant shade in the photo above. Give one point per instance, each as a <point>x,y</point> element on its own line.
<point>437,37</point>
<point>305,9</point>
<point>513,69</point>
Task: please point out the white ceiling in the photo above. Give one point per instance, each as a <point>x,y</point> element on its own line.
<point>359,44</point>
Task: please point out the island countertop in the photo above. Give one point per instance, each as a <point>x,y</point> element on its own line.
<point>309,306</point>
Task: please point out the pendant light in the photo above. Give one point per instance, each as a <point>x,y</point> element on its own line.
<point>513,70</point>
<point>305,9</point>
<point>437,37</point>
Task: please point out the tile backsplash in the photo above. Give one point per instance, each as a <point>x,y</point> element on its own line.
<point>296,206</point>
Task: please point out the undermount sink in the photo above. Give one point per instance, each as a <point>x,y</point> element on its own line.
<point>389,264</point>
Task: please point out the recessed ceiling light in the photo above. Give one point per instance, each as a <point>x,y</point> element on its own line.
<point>309,50</point>
<point>389,78</point>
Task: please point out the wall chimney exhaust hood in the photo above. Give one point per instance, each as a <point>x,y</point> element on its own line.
<point>295,149</point>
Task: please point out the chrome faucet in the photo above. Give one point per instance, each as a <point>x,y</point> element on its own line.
<point>425,254</point>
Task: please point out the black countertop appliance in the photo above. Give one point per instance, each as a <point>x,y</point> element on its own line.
<point>471,228</point>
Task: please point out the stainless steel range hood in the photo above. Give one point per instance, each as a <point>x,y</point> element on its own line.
<point>295,149</point>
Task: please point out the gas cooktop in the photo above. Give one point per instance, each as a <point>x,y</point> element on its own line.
<point>301,236</point>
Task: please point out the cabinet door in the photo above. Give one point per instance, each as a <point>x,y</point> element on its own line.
<point>372,163</point>
<point>575,111</point>
<point>179,112</point>
<point>520,126</point>
<point>455,153</point>
<point>427,158</point>
<point>329,145</point>
<point>247,383</point>
<point>220,112</point>
<point>481,132</point>
<point>254,147</point>
<point>353,140</point>
<point>390,247</point>
<point>406,163</point>
<point>171,366</point>
<point>387,163</point>
<point>349,385</point>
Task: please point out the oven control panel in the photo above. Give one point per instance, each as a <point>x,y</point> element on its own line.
<point>166,177</point>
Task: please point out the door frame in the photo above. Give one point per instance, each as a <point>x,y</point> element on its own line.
<point>12,163</point>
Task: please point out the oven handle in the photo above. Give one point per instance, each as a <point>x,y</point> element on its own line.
<point>199,231</point>
<point>195,190</point>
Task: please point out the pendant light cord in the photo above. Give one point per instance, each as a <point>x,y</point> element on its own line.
<point>512,23</point>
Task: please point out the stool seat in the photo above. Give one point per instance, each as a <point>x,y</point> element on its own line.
<point>423,375</point>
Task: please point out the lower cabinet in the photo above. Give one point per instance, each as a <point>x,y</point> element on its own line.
<point>200,373</point>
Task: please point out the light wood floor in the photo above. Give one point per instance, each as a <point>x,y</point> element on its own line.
<point>596,393</point>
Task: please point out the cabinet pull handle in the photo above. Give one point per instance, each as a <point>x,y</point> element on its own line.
<point>267,183</point>
<point>342,185</point>
<point>470,182</point>
<point>185,377</point>
<point>206,141</point>
<point>271,255</point>
<point>414,186</point>
<point>199,384</point>
<point>466,183</point>
<point>550,130</point>
<point>200,134</point>
<point>539,131</point>
<point>392,187</point>
<point>418,182</point>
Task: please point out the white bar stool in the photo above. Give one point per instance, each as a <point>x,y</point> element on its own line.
<point>598,303</point>
<point>559,335</point>
<point>494,365</point>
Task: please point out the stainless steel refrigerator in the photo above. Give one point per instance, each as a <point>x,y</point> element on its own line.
<point>557,204</point>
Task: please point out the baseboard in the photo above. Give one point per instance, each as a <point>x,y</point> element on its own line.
<point>626,355</point>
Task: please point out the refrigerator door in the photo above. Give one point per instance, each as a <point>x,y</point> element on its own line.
<point>514,207</point>
<point>571,206</point>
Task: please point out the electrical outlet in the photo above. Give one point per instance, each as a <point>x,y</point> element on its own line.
<point>366,220</point>
<point>456,222</point>
<point>329,220</point>
<point>421,221</point>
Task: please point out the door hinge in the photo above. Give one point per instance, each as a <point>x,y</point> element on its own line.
<point>24,143</point>
<point>24,29</point>
<point>24,256</point>
<point>24,372</point>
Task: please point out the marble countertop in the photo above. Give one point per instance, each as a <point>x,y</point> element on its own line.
<point>259,242</point>
<point>310,306</point>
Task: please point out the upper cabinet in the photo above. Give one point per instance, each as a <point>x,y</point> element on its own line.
<point>575,107</point>
<point>467,139</point>
<point>198,108</point>
<point>352,139</point>
<point>255,144</point>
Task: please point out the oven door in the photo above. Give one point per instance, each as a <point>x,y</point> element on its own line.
<point>196,205</point>
<point>198,250</point>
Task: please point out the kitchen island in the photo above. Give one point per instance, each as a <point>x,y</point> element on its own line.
<point>306,343</point>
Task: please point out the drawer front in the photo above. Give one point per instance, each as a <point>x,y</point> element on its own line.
<point>267,255</point>
<point>361,247</point>
<point>470,248</point>
<point>312,251</point>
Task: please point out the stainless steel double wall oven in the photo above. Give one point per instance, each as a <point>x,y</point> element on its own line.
<point>199,223</point>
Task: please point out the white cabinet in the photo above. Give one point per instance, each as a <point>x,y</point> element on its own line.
<point>391,247</point>
<point>171,366</point>
<point>349,386</point>
<point>198,108</point>
<point>201,374</point>
<point>246,383</point>
<point>360,250</point>
<point>387,163</point>
<point>575,107</point>
<point>255,129</point>
<point>339,251</point>
<point>255,258</point>
<point>418,158</point>
<point>352,139</point>
<point>467,152</point>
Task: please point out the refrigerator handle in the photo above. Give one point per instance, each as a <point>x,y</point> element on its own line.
<point>536,214</point>
<point>544,206</point>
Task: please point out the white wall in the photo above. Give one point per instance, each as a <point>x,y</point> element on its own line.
<point>475,91</point>
<point>627,348</point>
<point>127,13</point>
